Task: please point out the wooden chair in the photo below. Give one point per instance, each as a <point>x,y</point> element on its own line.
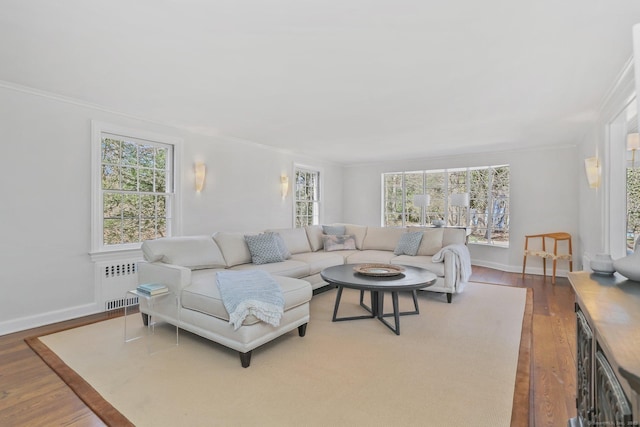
<point>544,254</point>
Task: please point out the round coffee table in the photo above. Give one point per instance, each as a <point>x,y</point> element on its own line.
<point>411,279</point>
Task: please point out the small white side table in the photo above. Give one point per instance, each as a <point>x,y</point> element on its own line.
<point>169,304</point>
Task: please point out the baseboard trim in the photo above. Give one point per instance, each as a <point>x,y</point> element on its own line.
<point>537,271</point>
<point>28,322</point>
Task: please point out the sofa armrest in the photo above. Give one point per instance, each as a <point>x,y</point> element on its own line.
<point>173,276</point>
<point>450,271</point>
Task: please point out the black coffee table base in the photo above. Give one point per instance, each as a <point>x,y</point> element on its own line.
<point>376,309</point>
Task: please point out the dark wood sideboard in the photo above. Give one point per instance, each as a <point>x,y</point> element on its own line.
<point>608,350</point>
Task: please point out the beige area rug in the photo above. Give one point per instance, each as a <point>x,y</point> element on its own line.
<point>453,365</point>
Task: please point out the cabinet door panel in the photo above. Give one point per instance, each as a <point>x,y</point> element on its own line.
<point>612,407</point>
<point>584,369</point>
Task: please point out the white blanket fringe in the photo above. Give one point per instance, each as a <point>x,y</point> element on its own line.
<point>253,292</point>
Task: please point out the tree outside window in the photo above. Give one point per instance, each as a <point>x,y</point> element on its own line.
<point>135,196</point>
<point>633,205</point>
<point>307,197</point>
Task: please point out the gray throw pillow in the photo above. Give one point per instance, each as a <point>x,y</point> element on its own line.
<point>264,248</point>
<point>334,230</point>
<point>409,244</point>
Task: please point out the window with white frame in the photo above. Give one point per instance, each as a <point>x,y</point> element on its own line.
<point>134,187</point>
<point>477,198</point>
<point>307,197</point>
<point>633,200</point>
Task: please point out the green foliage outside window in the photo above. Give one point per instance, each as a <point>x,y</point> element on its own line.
<point>134,191</point>
<point>633,205</point>
<point>307,194</point>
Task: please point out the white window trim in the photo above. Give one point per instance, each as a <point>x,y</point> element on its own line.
<point>308,168</point>
<point>98,250</point>
<point>447,194</point>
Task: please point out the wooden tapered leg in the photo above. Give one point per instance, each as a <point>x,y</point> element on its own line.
<point>245,359</point>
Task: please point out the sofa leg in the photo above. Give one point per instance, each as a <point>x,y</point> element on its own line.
<point>145,319</point>
<point>302,330</point>
<point>245,359</point>
<point>449,296</point>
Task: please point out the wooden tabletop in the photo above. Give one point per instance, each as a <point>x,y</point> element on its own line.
<point>612,307</point>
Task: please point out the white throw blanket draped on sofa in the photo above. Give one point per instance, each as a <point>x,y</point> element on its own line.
<point>250,292</point>
<point>462,258</point>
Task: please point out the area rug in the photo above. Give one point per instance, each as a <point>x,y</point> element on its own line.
<point>453,365</point>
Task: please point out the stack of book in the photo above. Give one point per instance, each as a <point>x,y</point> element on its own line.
<point>152,289</point>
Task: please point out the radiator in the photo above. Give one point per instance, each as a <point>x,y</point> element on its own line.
<point>115,278</point>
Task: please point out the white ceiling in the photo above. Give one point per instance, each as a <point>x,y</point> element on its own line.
<point>344,80</point>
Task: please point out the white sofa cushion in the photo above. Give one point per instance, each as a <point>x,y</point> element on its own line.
<point>203,295</point>
<point>295,239</point>
<point>431,241</point>
<point>318,261</point>
<point>314,235</point>
<point>421,261</point>
<point>193,252</point>
<point>382,238</point>
<point>288,268</point>
<point>233,247</point>
<point>370,257</point>
<point>454,236</point>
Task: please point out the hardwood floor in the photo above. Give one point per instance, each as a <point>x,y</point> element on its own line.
<point>32,395</point>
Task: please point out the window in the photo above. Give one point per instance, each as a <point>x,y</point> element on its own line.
<point>307,197</point>
<point>487,213</point>
<point>633,201</point>
<point>134,187</point>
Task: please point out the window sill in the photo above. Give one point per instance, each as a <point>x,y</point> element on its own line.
<point>116,254</point>
<point>491,245</point>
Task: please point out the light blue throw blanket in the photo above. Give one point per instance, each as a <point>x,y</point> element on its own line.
<point>250,292</point>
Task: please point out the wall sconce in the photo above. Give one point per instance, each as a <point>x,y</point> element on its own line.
<point>200,170</point>
<point>633,144</point>
<point>593,170</point>
<point>284,186</point>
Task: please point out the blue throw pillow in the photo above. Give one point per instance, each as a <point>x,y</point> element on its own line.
<point>264,248</point>
<point>334,230</point>
<point>409,244</point>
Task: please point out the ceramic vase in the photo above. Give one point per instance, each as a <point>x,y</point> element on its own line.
<point>602,264</point>
<point>629,266</point>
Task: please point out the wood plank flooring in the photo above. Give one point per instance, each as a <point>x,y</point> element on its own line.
<point>32,395</point>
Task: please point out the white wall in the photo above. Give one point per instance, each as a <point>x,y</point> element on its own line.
<point>544,197</point>
<point>46,273</point>
<point>602,210</point>
<point>242,188</point>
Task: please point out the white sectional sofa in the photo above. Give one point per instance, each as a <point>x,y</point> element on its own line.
<point>187,265</point>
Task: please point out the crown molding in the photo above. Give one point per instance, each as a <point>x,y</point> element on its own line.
<point>620,94</point>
